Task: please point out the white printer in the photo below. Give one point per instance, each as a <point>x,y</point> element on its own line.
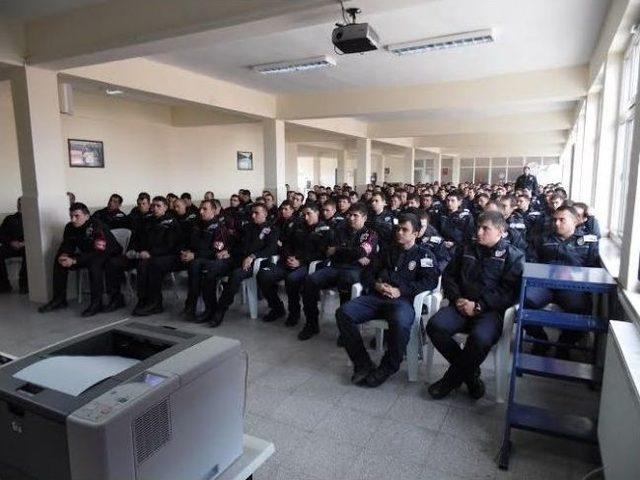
<point>131,401</point>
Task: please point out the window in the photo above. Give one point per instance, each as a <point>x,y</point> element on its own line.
<point>626,114</point>
<point>502,169</point>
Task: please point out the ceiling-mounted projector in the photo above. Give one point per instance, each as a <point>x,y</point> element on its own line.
<point>354,37</point>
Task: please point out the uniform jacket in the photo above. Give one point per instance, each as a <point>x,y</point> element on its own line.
<point>351,245</point>
<point>457,227</point>
<point>382,224</point>
<point>433,241</point>
<point>113,218</point>
<point>159,236</point>
<point>578,250</point>
<point>86,239</point>
<point>11,229</point>
<point>310,243</point>
<point>259,240</point>
<point>210,237</point>
<point>286,233</point>
<point>527,181</point>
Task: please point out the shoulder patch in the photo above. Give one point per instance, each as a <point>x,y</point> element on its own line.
<point>364,237</point>
<point>590,238</point>
<point>500,253</point>
<point>322,228</point>
<point>387,219</point>
<point>412,265</point>
<point>395,221</point>
<point>435,239</point>
<point>426,262</point>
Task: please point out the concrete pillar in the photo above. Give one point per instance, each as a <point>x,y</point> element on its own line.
<point>342,167</point>
<point>363,164</point>
<point>456,170</point>
<point>317,168</point>
<point>45,208</point>
<point>438,168</point>
<point>274,157</point>
<point>291,165</point>
<point>381,175</point>
<point>410,162</point>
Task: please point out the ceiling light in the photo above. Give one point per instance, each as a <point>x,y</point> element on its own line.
<point>476,37</point>
<point>296,65</point>
<point>114,91</point>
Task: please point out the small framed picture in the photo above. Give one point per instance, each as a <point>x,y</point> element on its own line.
<point>245,160</point>
<point>86,153</point>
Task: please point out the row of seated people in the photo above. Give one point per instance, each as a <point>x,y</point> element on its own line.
<point>389,257</point>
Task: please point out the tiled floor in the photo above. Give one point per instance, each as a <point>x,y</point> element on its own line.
<point>324,428</point>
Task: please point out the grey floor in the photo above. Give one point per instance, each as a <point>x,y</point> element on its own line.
<point>324,428</point>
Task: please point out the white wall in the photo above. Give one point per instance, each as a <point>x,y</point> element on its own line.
<point>10,187</point>
<point>397,168</point>
<point>143,151</point>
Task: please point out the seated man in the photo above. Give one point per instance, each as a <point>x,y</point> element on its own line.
<point>515,236</point>
<point>207,253</point>
<point>456,224</point>
<point>12,246</point>
<point>430,239</point>
<point>309,242</point>
<point>111,215</point>
<point>403,271</point>
<point>587,223</point>
<point>186,219</point>
<point>480,282</point>
<point>381,220</point>
<point>257,239</point>
<point>86,243</point>
<point>566,245</point>
<point>353,249</point>
<point>330,215</point>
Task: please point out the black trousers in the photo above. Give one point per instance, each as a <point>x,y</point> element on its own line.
<point>231,288</point>
<point>7,252</point>
<point>341,277</point>
<point>483,331</point>
<point>94,262</point>
<point>268,278</point>
<point>203,279</point>
<point>151,273</point>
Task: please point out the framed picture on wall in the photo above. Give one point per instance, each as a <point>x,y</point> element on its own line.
<point>245,160</point>
<point>86,153</point>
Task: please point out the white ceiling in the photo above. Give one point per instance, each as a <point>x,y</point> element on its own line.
<point>532,35</point>
<point>32,9</point>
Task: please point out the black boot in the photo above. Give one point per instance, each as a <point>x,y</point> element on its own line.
<point>116,302</point>
<point>273,315</point>
<point>443,387</point>
<point>55,304</point>
<point>475,387</point>
<point>309,330</point>
<point>292,320</point>
<point>361,372</point>
<point>189,312</point>
<point>94,308</point>
<point>216,319</point>
<point>378,376</point>
<point>151,309</point>
<point>5,287</point>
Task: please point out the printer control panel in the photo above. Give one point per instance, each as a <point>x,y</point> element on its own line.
<point>116,399</point>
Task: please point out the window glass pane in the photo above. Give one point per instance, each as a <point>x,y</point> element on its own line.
<point>482,175</point>
<point>551,160</point>
<point>482,162</point>
<point>517,161</point>
<point>498,174</point>
<point>466,175</point>
<point>498,162</point>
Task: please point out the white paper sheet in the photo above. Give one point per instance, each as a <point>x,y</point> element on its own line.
<point>73,374</point>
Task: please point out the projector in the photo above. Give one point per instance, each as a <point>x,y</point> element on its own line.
<point>355,38</point>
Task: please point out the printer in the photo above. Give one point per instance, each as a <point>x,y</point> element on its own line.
<point>127,401</point>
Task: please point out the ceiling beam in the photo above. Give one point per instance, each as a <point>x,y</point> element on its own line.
<point>492,140</point>
<point>564,84</point>
<point>12,42</point>
<point>516,123</point>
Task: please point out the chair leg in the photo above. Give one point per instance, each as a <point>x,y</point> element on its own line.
<point>252,297</point>
<point>429,360</point>
<point>413,355</point>
<point>500,365</point>
<point>79,279</point>
<point>380,341</point>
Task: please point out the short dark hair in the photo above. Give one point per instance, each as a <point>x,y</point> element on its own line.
<point>169,195</point>
<point>329,202</point>
<point>79,206</point>
<point>379,194</point>
<point>413,196</point>
<point>259,205</point>
<point>495,218</point>
<point>313,206</point>
<point>509,198</point>
<point>117,197</point>
<point>583,206</point>
<point>161,199</point>
<point>186,196</point>
<point>143,195</point>
<point>412,219</point>
<point>567,208</point>
<point>287,203</point>
<point>360,208</point>
<point>456,193</point>
<point>342,197</point>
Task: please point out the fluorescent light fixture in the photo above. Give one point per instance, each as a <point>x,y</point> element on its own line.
<point>296,65</point>
<point>466,39</point>
<point>114,91</point>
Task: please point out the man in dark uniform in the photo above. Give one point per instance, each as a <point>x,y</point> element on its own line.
<point>141,211</point>
<point>353,249</point>
<point>111,215</point>
<point>430,239</point>
<point>154,255</point>
<point>309,242</point>
<point>515,236</point>
<point>527,180</point>
<point>191,208</point>
<point>531,216</point>
<point>330,215</point>
<point>207,253</point>
<point>402,271</point>
<point>257,239</point>
<point>481,282</point>
<point>587,223</point>
<point>12,246</point>
<point>186,220</point>
<point>86,243</point>
<point>381,220</point>
<point>566,245</point>
<point>457,225</point>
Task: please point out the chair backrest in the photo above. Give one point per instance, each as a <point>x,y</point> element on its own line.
<point>123,235</point>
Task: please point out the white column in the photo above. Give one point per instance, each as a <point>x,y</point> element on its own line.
<point>317,168</point>
<point>291,165</point>
<point>274,157</point>
<point>383,164</point>
<point>363,164</point>
<point>588,150</point>
<point>342,167</point>
<point>438,164</point>
<point>410,162</point>
<point>455,170</point>
<point>45,208</point>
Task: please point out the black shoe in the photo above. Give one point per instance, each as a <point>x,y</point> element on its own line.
<point>5,288</point>
<point>55,304</point>
<point>444,386</point>
<point>24,290</point>
<point>216,319</point>
<point>339,341</point>
<point>204,317</point>
<point>291,321</point>
<point>308,331</point>
<point>138,308</point>
<point>92,309</point>
<point>360,373</point>
<point>273,315</point>
<point>116,302</point>
<point>378,377</point>
<point>150,309</point>
<point>476,388</point>
<point>189,313</point>
<point>540,349</point>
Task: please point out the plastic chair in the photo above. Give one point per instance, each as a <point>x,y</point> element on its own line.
<point>123,236</point>
<point>500,351</point>
<point>415,346</point>
<point>325,294</point>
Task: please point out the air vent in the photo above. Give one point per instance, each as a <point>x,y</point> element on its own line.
<point>152,430</point>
